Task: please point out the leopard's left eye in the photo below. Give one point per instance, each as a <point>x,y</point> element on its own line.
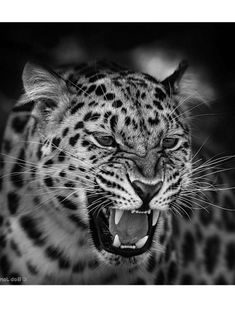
<point>169,143</point>
<point>105,140</point>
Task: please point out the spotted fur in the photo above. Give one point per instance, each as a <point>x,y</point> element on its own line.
<point>57,177</point>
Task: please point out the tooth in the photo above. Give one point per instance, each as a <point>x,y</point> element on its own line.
<point>155,216</point>
<point>141,242</point>
<point>118,215</point>
<point>116,241</point>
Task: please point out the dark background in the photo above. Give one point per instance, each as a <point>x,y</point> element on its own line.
<point>209,44</point>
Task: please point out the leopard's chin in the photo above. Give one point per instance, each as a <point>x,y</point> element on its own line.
<point>124,233</point>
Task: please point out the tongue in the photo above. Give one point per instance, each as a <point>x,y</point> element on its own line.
<point>131,227</point>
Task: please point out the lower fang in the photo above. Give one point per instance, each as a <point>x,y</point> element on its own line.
<point>141,242</point>
<point>116,241</point>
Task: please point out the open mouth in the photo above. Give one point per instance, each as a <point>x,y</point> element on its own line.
<point>124,232</point>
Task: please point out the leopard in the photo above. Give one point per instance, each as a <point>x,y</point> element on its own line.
<point>102,183</point>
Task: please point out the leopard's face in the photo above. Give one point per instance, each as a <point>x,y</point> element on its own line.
<point>129,148</point>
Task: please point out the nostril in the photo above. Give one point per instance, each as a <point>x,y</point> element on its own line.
<point>145,191</point>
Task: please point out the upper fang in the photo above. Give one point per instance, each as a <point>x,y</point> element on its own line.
<point>155,216</point>
<point>118,214</point>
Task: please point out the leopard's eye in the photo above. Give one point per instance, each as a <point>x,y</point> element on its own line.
<point>105,140</point>
<point>169,143</point>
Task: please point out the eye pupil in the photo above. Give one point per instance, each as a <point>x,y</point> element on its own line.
<point>169,143</point>
<point>106,140</point>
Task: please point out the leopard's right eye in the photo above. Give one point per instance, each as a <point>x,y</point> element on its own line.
<point>105,140</point>
<point>169,143</point>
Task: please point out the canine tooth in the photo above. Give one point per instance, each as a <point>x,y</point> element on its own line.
<point>132,212</point>
<point>155,216</point>
<point>149,211</point>
<point>141,242</point>
<point>116,241</point>
<point>118,215</point>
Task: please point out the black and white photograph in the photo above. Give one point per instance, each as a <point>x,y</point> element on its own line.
<point>117,154</point>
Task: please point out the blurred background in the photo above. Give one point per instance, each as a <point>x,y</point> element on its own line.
<point>155,48</point>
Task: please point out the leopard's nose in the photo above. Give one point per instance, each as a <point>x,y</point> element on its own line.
<point>145,191</point>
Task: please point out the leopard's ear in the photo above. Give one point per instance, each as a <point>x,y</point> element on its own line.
<point>50,94</point>
<point>43,84</point>
<point>172,82</point>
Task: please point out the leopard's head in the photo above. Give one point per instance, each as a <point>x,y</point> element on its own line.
<point>122,143</point>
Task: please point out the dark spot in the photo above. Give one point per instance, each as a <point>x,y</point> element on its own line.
<point>3,241</point>
<point>13,202</point>
<point>53,252</point>
<point>91,89</point>
<point>113,122</point>
<point>32,269</point>
<point>93,264</point>
<point>79,267</point>
<point>221,280</point>
<point>172,272</point>
<point>158,104</point>
<point>15,248</point>
<point>109,279</point>
<point>64,263</point>
<point>66,202</point>
<point>61,156</point>
<point>127,121</point>
<point>85,143</point>
<point>117,104</point>
<point>77,221</point>
<point>29,225</point>
<point>48,163</point>
<point>4,265</point>
<point>138,281</point>
<point>62,174</point>
<point>73,140</point>
<point>160,279</point>
<point>211,252</point>
<point>65,132</point>
<point>79,125</point>
<point>19,123</point>
<point>100,90</point>
<point>186,279</point>
<point>72,167</point>
<point>159,94</point>
<point>55,143</point>
<point>1,220</point>
<point>230,256</point>
<point>69,184</point>
<point>153,121</point>
<point>188,248</point>
<point>109,96</point>
<point>106,116</point>
<point>77,107</point>
<point>48,181</point>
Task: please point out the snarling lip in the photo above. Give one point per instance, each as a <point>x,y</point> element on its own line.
<point>124,232</point>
